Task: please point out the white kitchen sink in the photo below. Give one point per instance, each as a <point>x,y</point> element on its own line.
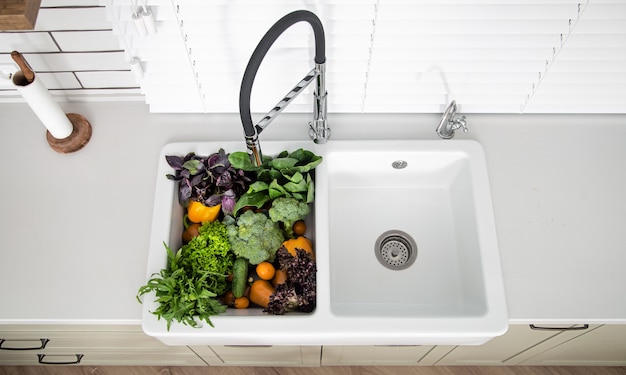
<point>405,230</point>
<point>452,293</point>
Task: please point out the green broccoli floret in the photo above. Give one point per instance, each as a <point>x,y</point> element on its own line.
<point>255,237</point>
<point>288,210</point>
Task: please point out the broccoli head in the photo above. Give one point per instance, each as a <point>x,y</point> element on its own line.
<point>288,210</point>
<point>255,237</point>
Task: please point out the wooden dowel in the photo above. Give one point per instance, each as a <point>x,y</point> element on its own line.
<point>24,67</point>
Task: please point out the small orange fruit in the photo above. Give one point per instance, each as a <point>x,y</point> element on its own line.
<point>279,278</point>
<point>265,270</point>
<point>299,227</point>
<point>241,302</point>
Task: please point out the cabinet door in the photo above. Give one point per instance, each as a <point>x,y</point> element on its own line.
<point>262,355</point>
<point>602,346</point>
<point>520,342</point>
<point>126,345</point>
<point>353,355</point>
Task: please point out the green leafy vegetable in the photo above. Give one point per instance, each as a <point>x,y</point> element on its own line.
<point>194,277</point>
<point>286,175</point>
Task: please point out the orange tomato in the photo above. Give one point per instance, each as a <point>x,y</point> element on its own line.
<point>241,302</point>
<point>299,227</point>
<point>265,270</point>
<point>191,232</point>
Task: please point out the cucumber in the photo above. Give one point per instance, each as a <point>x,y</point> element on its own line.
<point>240,277</point>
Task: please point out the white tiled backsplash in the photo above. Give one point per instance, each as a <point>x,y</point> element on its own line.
<point>74,52</point>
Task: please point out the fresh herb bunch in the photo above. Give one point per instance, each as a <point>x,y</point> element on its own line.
<point>286,175</point>
<point>181,297</point>
<point>210,180</point>
<point>195,275</point>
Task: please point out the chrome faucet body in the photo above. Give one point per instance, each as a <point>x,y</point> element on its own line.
<point>318,127</point>
<point>450,122</point>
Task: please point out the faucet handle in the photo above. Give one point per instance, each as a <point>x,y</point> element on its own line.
<point>459,122</point>
<point>319,131</point>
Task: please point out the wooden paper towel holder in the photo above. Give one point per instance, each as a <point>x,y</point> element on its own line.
<point>81,128</point>
<point>78,139</point>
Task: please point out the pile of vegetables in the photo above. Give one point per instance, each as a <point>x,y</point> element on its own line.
<point>244,242</point>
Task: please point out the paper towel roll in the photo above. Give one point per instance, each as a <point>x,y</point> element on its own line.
<point>44,106</point>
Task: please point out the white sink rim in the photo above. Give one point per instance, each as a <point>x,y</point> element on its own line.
<point>322,327</point>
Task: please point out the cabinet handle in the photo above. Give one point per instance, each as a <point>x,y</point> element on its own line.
<point>42,344</point>
<point>42,359</point>
<point>578,327</point>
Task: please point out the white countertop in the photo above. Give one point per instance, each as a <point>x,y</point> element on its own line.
<point>75,228</point>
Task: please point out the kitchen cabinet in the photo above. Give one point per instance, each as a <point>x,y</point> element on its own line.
<point>261,355</point>
<point>88,345</point>
<point>520,343</point>
<point>600,346</point>
<point>402,355</point>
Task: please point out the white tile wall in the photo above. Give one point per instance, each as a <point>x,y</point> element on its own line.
<point>74,52</point>
<point>78,41</point>
<point>27,42</point>
<point>82,18</point>
<point>105,79</point>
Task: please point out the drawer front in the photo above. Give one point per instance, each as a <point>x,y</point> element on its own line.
<point>58,339</point>
<point>374,355</point>
<point>120,345</point>
<point>115,357</point>
<point>259,355</point>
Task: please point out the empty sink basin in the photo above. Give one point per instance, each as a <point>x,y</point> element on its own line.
<point>411,232</point>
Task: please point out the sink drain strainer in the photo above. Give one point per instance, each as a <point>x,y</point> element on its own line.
<point>395,250</point>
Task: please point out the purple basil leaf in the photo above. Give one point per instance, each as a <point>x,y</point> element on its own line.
<point>213,200</point>
<point>228,204</point>
<point>184,192</point>
<point>216,159</point>
<point>189,156</point>
<point>195,180</point>
<point>174,161</point>
<point>224,181</point>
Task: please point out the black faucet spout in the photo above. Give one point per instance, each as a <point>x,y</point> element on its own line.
<point>317,75</point>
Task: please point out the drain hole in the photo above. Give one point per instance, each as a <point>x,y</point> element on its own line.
<point>395,250</point>
<point>399,164</point>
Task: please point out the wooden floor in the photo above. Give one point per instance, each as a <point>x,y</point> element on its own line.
<point>343,370</point>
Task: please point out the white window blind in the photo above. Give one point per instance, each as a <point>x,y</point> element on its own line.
<point>408,56</point>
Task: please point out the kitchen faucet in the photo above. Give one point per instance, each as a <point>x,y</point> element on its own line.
<point>319,130</point>
<point>451,122</point>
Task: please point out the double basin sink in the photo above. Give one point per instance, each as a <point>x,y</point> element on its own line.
<point>405,243</point>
